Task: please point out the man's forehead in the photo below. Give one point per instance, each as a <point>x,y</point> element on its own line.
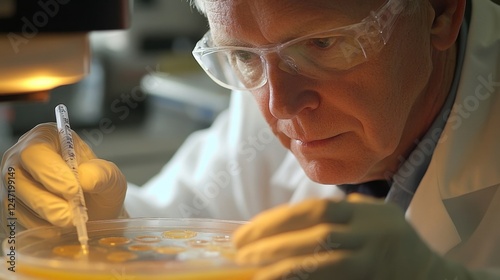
<point>285,16</point>
<point>229,11</point>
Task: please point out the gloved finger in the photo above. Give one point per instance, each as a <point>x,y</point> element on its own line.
<point>293,217</point>
<point>48,168</point>
<point>46,205</point>
<point>38,151</point>
<point>42,133</point>
<point>104,187</point>
<point>47,133</point>
<point>339,264</point>
<point>320,238</point>
<point>100,176</point>
<point>45,166</point>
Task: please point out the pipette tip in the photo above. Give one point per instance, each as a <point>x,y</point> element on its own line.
<point>85,249</point>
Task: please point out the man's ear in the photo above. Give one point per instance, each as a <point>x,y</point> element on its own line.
<point>449,15</point>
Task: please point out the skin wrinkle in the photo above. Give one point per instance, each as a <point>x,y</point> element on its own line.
<point>374,110</point>
<point>224,16</point>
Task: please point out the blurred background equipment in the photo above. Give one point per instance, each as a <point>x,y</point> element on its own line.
<point>134,101</point>
<point>44,43</point>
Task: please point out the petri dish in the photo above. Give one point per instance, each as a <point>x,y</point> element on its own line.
<point>148,249</point>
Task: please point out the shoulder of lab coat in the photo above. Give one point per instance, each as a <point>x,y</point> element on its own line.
<point>456,208</point>
<point>232,170</point>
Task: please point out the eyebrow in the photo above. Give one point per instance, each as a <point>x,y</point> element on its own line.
<point>315,24</point>
<point>225,41</point>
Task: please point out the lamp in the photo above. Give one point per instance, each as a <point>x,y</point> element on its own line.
<point>44,44</point>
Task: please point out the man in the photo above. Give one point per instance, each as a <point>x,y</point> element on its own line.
<point>366,95</point>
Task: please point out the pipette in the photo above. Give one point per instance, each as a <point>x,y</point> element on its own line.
<point>77,202</point>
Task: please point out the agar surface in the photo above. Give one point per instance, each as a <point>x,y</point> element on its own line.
<point>121,256</point>
<point>221,238</point>
<point>147,238</point>
<point>140,247</point>
<point>75,251</point>
<point>199,243</point>
<point>170,245</point>
<point>170,250</point>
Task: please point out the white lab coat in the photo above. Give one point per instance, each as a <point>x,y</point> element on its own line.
<point>456,208</point>
<point>236,169</point>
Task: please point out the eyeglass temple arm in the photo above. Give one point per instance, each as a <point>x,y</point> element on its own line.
<point>387,15</point>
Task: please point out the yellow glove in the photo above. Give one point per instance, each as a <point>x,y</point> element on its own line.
<point>361,238</point>
<point>36,180</point>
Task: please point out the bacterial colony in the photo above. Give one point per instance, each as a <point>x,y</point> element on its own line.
<point>170,245</point>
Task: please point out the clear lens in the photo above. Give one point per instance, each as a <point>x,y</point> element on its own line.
<point>233,68</point>
<point>248,67</point>
<point>319,57</point>
<point>242,68</point>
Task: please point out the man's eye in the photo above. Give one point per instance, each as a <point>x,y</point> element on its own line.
<point>323,43</point>
<point>243,55</point>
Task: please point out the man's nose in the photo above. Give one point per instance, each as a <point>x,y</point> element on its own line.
<point>289,93</point>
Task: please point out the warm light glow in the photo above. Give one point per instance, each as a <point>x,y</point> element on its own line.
<point>47,83</point>
<point>38,83</point>
<point>47,62</point>
<point>33,83</point>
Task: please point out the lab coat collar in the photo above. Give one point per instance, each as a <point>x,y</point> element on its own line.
<point>467,152</point>
<point>467,156</point>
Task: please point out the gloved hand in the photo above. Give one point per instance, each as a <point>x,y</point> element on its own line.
<point>40,182</point>
<point>360,238</point>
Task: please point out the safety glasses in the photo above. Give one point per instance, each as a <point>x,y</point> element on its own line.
<point>315,56</point>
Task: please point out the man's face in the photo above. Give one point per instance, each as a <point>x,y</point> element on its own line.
<point>348,128</point>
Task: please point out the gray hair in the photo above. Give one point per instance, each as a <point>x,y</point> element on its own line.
<point>200,5</point>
